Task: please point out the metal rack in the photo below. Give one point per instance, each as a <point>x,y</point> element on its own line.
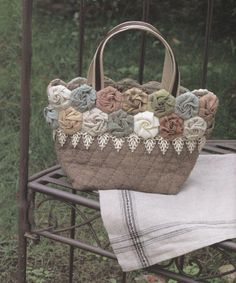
<point>53,185</point>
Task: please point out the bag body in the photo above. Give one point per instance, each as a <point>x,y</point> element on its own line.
<point>122,135</point>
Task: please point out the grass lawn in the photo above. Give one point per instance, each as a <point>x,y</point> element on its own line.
<point>55,43</point>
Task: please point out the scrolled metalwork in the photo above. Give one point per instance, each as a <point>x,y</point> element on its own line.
<point>201,265</point>
<point>53,215</point>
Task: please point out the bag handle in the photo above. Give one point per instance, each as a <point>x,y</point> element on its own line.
<point>170,78</point>
<point>167,61</point>
<point>167,70</point>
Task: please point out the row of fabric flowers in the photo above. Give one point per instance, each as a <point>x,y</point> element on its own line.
<point>190,114</point>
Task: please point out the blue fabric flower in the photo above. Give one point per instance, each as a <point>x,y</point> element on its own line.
<point>51,116</point>
<point>83,98</point>
<point>187,105</point>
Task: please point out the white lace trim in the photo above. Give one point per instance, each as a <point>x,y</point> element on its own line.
<point>133,141</point>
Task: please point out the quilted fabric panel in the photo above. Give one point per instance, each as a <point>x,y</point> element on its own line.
<point>96,169</point>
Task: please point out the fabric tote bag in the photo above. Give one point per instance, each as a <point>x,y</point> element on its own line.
<point>123,135</point>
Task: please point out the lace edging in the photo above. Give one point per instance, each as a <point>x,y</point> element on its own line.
<point>133,141</point>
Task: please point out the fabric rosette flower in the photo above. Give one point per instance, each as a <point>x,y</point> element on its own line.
<point>161,103</point>
<point>134,101</point>
<point>187,105</point>
<point>146,125</point>
<point>51,116</point>
<point>208,104</point>
<point>59,97</point>
<point>70,120</point>
<point>194,128</point>
<point>200,92</point>
<point>120,123</point>
<point>83,98</point>
<point>171,126</point>
<point>210,127</point>
<point>109,99</point>
<point>95,122</point>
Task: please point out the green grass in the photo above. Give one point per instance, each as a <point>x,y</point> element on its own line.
<point>55,42</point>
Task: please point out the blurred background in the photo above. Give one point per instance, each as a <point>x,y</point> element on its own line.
<point>55,54</point>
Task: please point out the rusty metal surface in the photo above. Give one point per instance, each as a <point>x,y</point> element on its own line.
<point>209,17</point>
<point>24,137</point>
<point>81,36</point>
<point>145,16</point>
<point>78,244</point>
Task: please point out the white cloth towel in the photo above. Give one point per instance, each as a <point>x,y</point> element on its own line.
<point>145,229</point>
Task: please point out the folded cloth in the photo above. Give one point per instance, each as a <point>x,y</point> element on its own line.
<point>145,229</point>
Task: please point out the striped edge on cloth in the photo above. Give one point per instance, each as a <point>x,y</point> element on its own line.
<point>145,229</point>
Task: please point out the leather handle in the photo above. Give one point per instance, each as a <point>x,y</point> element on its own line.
<point>170,78</point>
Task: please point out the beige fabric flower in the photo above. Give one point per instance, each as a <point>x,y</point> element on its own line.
<point>208,107</point>
<point>146,125</point>
<point>134,101</point>
<point>95,122</point>
<point>59,97</point>
<point>210,127</point>
<point>70,120</point>
<point>200,92</point>
<point>194,128</point>
<point>108,99</point>
<point>171,126</point>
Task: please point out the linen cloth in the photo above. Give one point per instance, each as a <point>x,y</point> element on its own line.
<point>145,229</point>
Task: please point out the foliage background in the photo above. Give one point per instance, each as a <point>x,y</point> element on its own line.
<point>55,49</point>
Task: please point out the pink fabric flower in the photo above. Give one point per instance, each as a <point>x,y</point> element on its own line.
<point>109,99</point>
<point>171,126</point>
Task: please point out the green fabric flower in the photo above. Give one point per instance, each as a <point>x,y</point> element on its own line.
<point>120,124</point>
<point>161,103</point>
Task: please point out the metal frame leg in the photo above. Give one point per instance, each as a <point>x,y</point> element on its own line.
<point>72,236</point>
<point>24,137</point>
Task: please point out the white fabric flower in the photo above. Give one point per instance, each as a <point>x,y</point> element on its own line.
<point>194,128</point>
<point>95,122</point>
<point>146,125</point>
<point>59,97</point>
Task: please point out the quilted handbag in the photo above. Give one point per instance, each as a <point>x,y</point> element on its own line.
<point>123,135</point>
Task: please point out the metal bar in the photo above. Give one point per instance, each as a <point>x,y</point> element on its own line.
<point>81,36</point>
<point>64,196</point>
<point>222,142</point>
<point>59,182</point>
<point>214,149</point>
<point>124,277</point>
<point>172,275</point>
<point>77,244</point>
<point>227,245</point>
<point>44,172</point>
<point>77,226</point>
<point>145,16</point>
<point>72,236</point>
<point>24,136</point>
<point>206,43</point>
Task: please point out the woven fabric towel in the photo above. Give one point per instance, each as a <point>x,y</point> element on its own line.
<point>145,229</point>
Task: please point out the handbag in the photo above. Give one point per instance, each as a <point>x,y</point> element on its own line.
<point>123,135</point>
